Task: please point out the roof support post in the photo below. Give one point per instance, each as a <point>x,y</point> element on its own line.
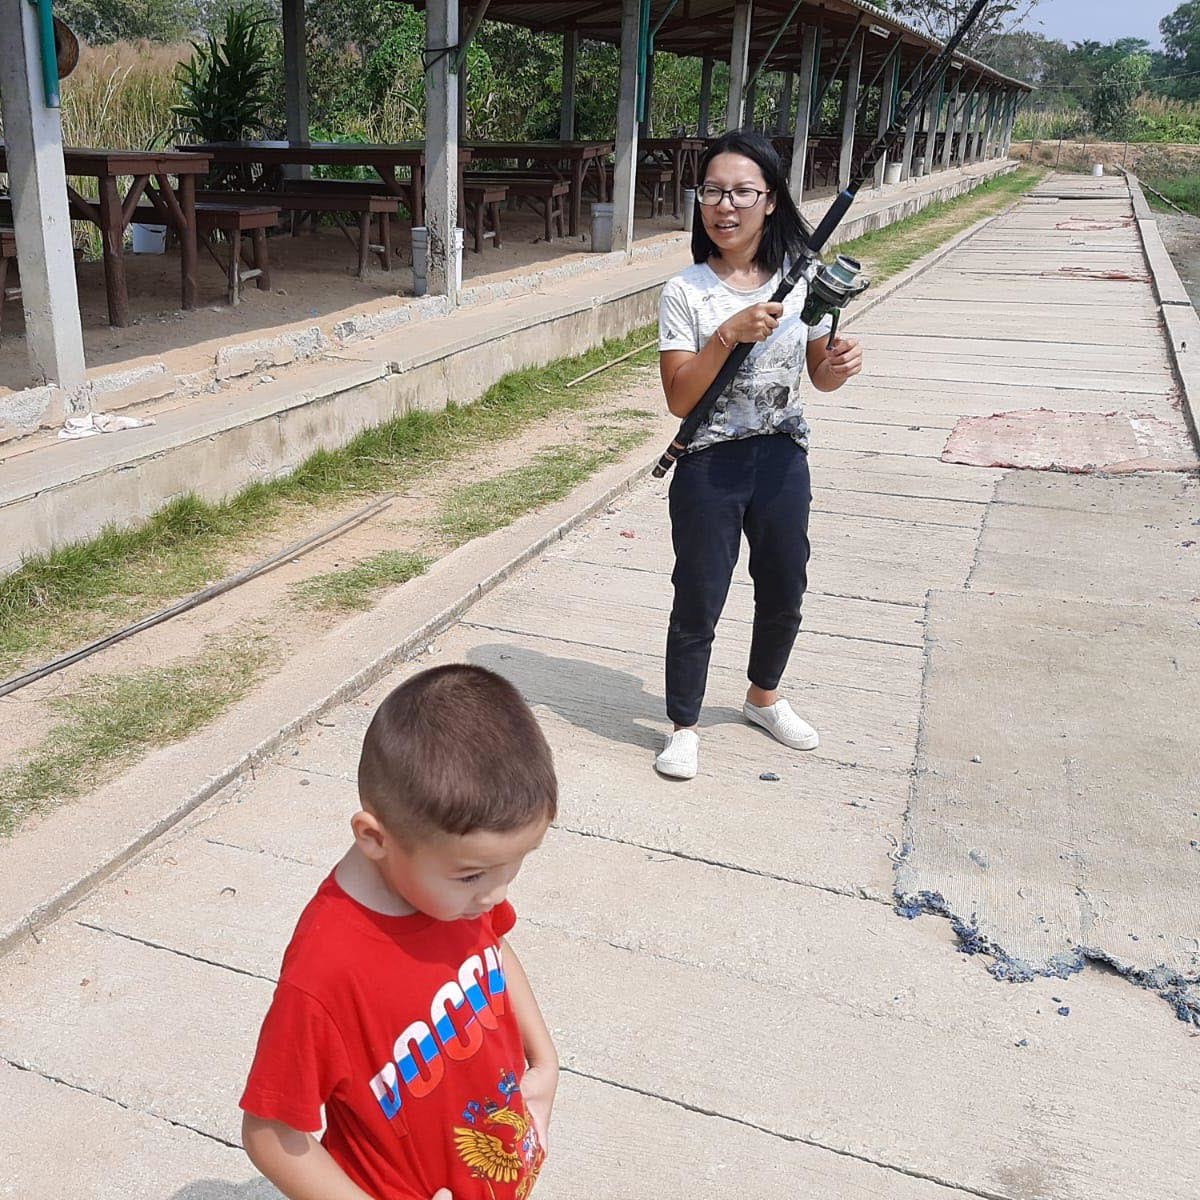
<point>958,117</point>
<point>295,71</point>
<point>966,127</point>
<point>910,140</point>
<point>1009,120</point>
<point>38,183</point>
<point>996,134</point>
<point>625,168</point>
<point>929,121</point>
<point>887,105</point>
<point>570,66</point>
<point>951,120</point>
<point>706,70</point>
<point>983,149</point>
<point>739,58</point>
<point>987,105</point>
<point>849,114</point>
<point>974,127</point>
<point>441,148</point>
<point>751,103</point>
<point>966,118</point>
<point>783,117</point>
<point>804,114</point>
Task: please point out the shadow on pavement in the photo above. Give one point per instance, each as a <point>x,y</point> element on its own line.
<point>609,703</point>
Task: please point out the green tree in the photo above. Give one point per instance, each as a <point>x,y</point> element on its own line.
<point>939,19</point>
<point>1179,61</point>
<point>102,21</point>
<point>1111,104</point>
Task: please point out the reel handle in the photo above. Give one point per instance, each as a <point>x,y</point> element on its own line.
<point>669,458</point>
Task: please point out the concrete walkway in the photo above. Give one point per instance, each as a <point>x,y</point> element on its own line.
<point>740,1010</point>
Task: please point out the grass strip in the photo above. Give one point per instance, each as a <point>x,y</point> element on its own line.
<point>86,588</point>
<point>1183,190</point>
<point>114,719</point>
<point>354,588</point>
<point>480,508</point>
<point>888,251</point>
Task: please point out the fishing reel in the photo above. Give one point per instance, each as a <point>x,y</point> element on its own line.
<point>833,287</point>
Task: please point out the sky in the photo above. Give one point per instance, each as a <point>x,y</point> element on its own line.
<point>1101,20</point>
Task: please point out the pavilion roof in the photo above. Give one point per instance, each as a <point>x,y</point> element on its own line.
<point>705,27</point>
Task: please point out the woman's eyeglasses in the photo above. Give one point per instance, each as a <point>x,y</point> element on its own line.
<point>740,197</point>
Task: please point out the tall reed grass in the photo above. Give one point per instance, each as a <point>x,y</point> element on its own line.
<point>120,96</point>
<point>1156,120</point>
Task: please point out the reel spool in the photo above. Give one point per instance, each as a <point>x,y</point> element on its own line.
<point>831,289</point>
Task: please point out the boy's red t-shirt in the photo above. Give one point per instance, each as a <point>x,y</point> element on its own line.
<point>401,1027</point>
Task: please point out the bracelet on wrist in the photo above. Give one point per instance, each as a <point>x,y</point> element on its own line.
<point>721,339</point>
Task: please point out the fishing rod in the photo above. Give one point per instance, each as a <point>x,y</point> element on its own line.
<point>830,286</point>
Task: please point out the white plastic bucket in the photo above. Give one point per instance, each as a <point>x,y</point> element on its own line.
<point>602,228</point>
<point>891,173</point>
<point>149,239</point>
<point>1097,169</point>
<point>689,208</point>
<point>420,254</point>
<point>918,167</point>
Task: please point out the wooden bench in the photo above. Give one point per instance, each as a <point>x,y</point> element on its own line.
<point>482,210</point>
<point>236,219</point>
<point>368,206</point>
<point>653,181</point>
<point>548,197</point>
<point>8,255</point>
<point>483,207</point>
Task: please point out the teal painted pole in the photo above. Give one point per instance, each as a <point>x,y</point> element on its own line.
<point>50,83</point>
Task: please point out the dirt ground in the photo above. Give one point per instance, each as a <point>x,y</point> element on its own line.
<point>1080,155</point>
<point>265,606</point>
<point>313,281</point>
<point>1181,233</point>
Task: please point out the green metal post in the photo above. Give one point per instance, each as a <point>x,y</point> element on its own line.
<point>50,82</point>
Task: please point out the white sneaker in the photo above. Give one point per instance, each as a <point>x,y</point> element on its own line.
<point>783,724</point>
<point>680,757</point>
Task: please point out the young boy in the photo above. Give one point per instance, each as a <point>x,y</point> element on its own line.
<point>401,1009</point>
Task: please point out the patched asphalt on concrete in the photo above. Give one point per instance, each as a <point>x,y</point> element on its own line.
<point>1055,811</point>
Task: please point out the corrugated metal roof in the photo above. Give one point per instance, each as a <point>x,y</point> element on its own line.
<point>699,27</point>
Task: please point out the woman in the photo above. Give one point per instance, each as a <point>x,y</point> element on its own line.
<point>747,467</point>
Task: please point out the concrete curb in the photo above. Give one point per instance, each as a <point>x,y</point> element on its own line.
<point>1179,315</point>
<point>47,868</point>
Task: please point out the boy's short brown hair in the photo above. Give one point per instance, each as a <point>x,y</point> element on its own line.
<point>453,750</point>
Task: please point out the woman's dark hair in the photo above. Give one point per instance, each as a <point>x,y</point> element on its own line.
<point>783,231</point>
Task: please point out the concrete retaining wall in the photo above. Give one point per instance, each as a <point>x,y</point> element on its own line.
<point>320,406</point>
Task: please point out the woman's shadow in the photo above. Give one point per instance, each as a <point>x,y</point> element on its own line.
<point>609,703</point>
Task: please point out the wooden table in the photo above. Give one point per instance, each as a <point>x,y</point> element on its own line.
<point>150,172</point>
<point>823,154</point>
<point>683,155</point>
<point>385,159</point>
<point>573,160</point>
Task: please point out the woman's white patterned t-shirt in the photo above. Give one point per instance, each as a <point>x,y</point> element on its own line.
<point>764,395</point>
